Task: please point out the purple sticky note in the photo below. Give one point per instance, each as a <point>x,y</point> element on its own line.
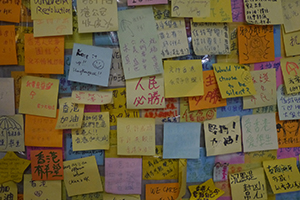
<point>234,158</point>
<point>91,108</point>
<point>145,2</point>
<point>288,153</point>
<point>123,175</point>
<point>272,64</point>
<point>29,149</point>
<point>238,12</point>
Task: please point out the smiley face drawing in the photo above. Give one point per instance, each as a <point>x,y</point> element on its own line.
<point>98,64</point>
<point>289,127</point>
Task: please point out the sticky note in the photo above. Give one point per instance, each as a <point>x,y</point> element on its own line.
<point>21,31</point>
<point>31,148</point>
<point>283,175</point>
<point>234,107</point>
<point>238,11</point>
<point>53,27</point>
<point>81,176</point>
<point>190,8</point>
<point>162,191</point>
<point>10,11</point>
<point>222,136</point>
<point>9,191</point>
<point>271,13</point>
<point>188,146</point>
<point>136,136</point>
<point>97,16</point>
<point>7,97</point>
<point>259,156</point>
<point>41,132</point>
<point>123,175</point>
<point>172,37</point>
<point>183,78</point>
<point>39,96</point>
<point>255,44</point>
<point>212,96</point>
<point>12,133</point>
<point>90,64</point>
<point>205,35</point>
<point>234,80</point>
<point>146,92</point>
<point>291,44</point>
<point>290,69</point>
<point>8,54</point>
<point>107,196</point>
<point>288,108</point>
<point>162,11</point>
<point>89,196</point>
<point>290,12</point>
<point>288,153</point>
<point>116,74</point>
<point>206,189</point>
<point>91,97</point>
<point>259,132</point>
<point>145,2</point>
<point>219,12</point>
<point>265,85</point>
<point>139,44</point>
<point>248,184</point>
<point>12,168</point>
<point>70,114</point>
<point>36,190</point>
<point>50,10</point>
<point>44,55</point>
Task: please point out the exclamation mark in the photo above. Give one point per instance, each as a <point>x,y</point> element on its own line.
<point>236,138</point>
<point>233,125</point>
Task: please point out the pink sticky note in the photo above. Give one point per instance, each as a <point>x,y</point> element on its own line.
<point>238,12</point>
<point>234,158</point>
<point>145,2</point>
<point>272,64</point>
<point>288,153</point>
<point>91,108</point>
<point>29,149</point>
<point>123,175</point>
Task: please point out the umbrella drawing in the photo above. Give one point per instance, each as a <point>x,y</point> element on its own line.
<point>124,25</point>
<point>6,124</point>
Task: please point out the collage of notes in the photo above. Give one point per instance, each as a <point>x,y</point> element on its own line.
<point>149,99</point>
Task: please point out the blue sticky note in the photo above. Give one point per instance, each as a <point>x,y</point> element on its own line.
<point>201,169</point>
<point>71,155</point>
<point>234,108</point>
<point>181,140</point>
<point>277,40</point>
<point>289,196</point>
<point>90,64</point>
<point>106,39</point>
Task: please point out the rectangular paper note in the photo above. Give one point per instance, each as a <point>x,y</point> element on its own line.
<point>190,8</point>
<point>172,37</point>
<point>39,96</point>
<point>145,2</point>
<point>263,12</point>
<point>288,105</point>
<point>290,10</point>
<point>30,148</point>
<point>12,133</point>
<point>44,55</point>
<point>10,11</point>
<point>82,176</point>
<point>162,191</point>
<point>136,136</point>
<point>94,133</point>
<point>92,98</point>
<point>283,175</point>
<point>7,97</point>
<point>52,27</point>
<point>210,38</point>
<point>9,191</point>
<point>116,75</point>
<point>290,69</point>
<point>291,44</point>
<point>238,12</point>
<point>139,44</point>
<point>255,44</point>
<point>123,175</point>
<point>259,132</point>
<point>8,53</point>
<point>145,92</point>
<point>222,136</point>
<point>51,9</point>
<point>265,85</point>
<point>183,78</point>
<point>208,189</point>
<point>212,96</point>
<point>234,80</point>
<point>90,64</point>
<point>97,16</point>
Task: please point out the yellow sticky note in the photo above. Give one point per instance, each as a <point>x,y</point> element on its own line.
<point>291,44</point>
<point>12,167</point>
<point>9,191</point>
<point>291,74</point>
<point>183,78</point>
<point>92,97</point>
<point>97,16</point>
<point>90,196</point>
<point>53,27</point>
<point>283,175</point>
<point>50,10</point>
<point>234,80</point>
<point>94,133</point>
<point>161,11</point>
<point>206,189</point>
<point>220,11</point>
<point>82,176</point>
<point>190,8</point>
<point>290,10</point>
<point>260,156</point>
<point>146,92</point>
<point>107,196</point>
<point>136,136</point>
<point>36,190</point>
<point>39,96</point>
<point>70,114</point>
<point>248,184</point>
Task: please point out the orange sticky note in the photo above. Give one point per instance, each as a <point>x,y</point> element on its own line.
<point>212,97</point>
<point>8,53</point>
<point>256,44</point>
<point>162,191</point>
<point>10,11</point>
<point>44,55</point>
<point>47,165</point>
<point>41,132</point>
<point>20,196</point>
